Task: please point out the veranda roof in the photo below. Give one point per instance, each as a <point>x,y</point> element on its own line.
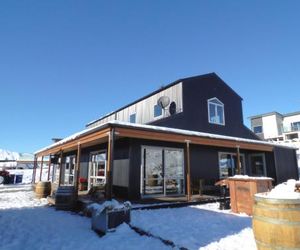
<point>99,134</point>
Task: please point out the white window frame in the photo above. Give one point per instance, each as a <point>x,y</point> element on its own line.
<point>216,105</point>
<point>89,167</point>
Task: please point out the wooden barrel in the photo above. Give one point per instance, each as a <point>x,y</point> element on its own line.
<point>65,198</point>
<point>43,189</point>
<point>276,223</point>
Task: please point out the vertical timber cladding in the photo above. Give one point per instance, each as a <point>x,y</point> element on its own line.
<point>144,109</point>
<point>285,164</point>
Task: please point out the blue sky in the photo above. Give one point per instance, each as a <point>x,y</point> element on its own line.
<point>64,63</point>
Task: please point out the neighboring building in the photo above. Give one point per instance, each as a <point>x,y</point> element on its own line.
<point>14,160</point>
<point>283,129</point>
<point>143,150</point>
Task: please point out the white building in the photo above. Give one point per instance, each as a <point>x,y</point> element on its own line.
<point>279,128</point>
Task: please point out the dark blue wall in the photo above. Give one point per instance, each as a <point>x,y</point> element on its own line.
<point>196,92</point>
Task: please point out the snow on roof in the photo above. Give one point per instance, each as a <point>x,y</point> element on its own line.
<point>155,128</point>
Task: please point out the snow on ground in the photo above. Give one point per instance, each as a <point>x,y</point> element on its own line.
<point>197,227</point>
<point>26,223</point>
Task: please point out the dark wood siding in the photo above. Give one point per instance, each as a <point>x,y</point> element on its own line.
<point>196,92</point>
<point>285,164</point>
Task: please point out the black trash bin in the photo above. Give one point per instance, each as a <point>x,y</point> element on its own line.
<point>12,179</point>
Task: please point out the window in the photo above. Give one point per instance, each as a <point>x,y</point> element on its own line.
<point>228,164</point>
<point>132,118</point>
<point>258,165</point>
<point>295,126</point>
<point>216,111</point>
<point>157,110</point>
<point>257,129</point>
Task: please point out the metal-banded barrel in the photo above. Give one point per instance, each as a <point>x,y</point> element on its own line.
<point>276,223</point>
<point>42,189</point>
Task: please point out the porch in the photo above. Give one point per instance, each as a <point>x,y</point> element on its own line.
<point>139,162</point>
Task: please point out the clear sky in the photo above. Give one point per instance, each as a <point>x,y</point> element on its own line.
<point>64,63</point>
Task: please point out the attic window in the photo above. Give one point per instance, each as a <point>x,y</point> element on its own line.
<point>157,110</point>
<point>215,111</point>
<point>132,118</point>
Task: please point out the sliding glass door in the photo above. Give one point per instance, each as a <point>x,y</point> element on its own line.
<point>162,171</point>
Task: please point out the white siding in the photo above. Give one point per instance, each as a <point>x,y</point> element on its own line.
<point>144,109</point>
<point>270,126</point>
<point>290,119</point>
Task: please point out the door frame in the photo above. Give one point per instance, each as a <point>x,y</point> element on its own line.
<point>264,162</point>
<point>232,154</point>
<point>90,165</point>
<point>142,179</point>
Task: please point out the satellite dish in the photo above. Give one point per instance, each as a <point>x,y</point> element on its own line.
<point>163,101</point>
<point>172,108</point>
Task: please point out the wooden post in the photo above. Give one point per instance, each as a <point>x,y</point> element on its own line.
<point>49,168</point>
<point>188,170</point>
<point>41,171</point>
<point>110,161</point>
<point>238,160</point>
<point>78,168</point>
<point>60,168</point>
<point>34,170</point>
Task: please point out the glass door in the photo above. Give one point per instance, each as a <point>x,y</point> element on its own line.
<point>97,169</point>
<point>228,164</point>
<point>162,171</point>
<point>69,170</point>
<point>153,171</point>
<point>174,171</point>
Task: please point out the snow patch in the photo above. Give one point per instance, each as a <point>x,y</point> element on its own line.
<point>285,190</point>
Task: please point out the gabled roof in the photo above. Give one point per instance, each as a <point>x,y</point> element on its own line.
<point>161,89</point>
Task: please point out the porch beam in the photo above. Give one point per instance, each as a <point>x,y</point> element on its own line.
<point>188,169</point>
<point>34,169</point>
<point>49,168</point>
<point>172,137</point>
<point>78,168</point>
<point>60,168</point>
<point>110,162</point>
<point>41,171</point>
<point>238,160</point>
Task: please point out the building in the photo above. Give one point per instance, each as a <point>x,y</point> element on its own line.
<point>283,129</point>
<point>163,143</point>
